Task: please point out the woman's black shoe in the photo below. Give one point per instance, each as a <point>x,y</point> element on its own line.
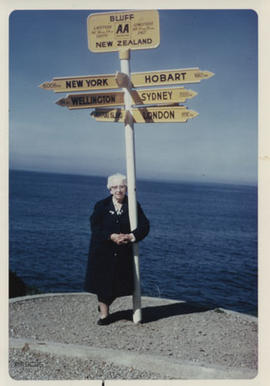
<point>104,321</point>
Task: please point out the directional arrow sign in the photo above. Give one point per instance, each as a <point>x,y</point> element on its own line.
<point>109,115</point>
<point>139,97</point>
<point>115,31</point>
<point>138,79</point>
<point>86,101</point>
<point>146,115</point>
<point>161,95</point>
<point>166,77</point>
<point>81,83</point>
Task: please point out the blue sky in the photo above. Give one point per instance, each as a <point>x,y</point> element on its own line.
<point>219,145</point>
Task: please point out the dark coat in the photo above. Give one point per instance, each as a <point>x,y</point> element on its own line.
<point>110,266</point>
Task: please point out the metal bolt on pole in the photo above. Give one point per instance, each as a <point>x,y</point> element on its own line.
<point>124,57</point>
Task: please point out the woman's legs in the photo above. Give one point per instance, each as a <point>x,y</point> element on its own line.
<point>103,309</point>
<point>104,306</point>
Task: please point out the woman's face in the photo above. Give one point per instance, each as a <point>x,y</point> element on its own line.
<point>118,190</point>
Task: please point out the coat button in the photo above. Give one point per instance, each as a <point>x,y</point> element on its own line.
<point>117,221</point>
<point>115,254</point>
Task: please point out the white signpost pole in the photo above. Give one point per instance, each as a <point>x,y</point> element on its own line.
<point>124,57</point>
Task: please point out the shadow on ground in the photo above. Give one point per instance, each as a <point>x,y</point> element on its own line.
<point>154,313</point>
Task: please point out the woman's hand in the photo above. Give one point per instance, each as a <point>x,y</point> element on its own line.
<point>117,238</point>
<point>121,238</point>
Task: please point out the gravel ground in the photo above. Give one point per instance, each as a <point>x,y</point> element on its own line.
<point>170,328</point>
<point>33,365</point>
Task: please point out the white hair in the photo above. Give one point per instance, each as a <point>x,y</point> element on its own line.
<point>116,178</point>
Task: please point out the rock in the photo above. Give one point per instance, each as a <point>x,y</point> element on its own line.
<point>17,286</point>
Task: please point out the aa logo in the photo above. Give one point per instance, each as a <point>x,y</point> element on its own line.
<point>122,29</point>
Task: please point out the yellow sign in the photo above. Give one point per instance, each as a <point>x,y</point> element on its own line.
<point>138,79</point>
<point>115,31</point>
<point>166,77</point>
<point>139,97</point>
<point>161,95</point>
<point>109,115</point>
<point>86,101</point>
<point>81,83</point>
<point>162,114</point>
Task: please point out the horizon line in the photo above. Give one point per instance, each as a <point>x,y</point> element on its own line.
<point>161,180</point>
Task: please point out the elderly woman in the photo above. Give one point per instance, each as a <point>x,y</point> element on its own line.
<point>110,261</point>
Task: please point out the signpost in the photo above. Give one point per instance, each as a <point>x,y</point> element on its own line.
<point>124,31</point>
<point>157,114</point>
<point>116,31</point>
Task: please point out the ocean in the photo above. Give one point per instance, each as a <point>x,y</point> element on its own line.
<point>202,246</point>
